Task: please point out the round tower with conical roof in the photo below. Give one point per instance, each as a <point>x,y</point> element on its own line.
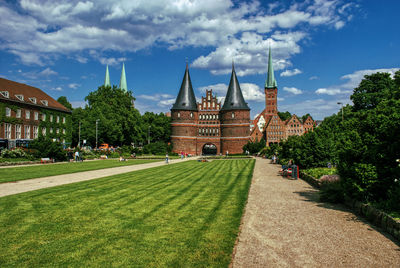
<point>184,116</point>
<point>235,119</point>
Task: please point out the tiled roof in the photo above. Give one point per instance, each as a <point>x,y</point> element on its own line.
<point>29,92</point>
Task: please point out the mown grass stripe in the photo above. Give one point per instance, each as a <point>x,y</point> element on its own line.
<point>186,215</point>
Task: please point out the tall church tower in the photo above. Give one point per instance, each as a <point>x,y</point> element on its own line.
<point>184,115</point>
<point>107,78</point>
<point>235,118</point>
<point>271,90</point>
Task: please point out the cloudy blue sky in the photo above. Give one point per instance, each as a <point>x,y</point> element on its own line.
<point>321,48</point>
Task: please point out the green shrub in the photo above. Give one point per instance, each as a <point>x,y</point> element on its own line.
<point>331,192</point>
<point>45,147</point>
<point>15,153</point>
<point>318,172</point>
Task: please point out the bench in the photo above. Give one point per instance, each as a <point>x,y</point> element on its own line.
<point>46,160</point>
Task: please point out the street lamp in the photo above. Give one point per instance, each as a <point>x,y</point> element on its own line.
<point>148,135</point>
<point>341,103</point>
<point>79,143</point>
<point>97,122</point>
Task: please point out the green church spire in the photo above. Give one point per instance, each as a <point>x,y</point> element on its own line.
<point>107,78</point>
<point>271,82</point>
<point>122,84</point>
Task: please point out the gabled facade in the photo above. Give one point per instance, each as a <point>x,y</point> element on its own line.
<point>27,112</point>
<point>208,127</point>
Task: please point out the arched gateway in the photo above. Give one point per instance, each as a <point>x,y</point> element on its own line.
<point>209,149</point>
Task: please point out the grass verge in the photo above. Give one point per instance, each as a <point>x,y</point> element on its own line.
<point>181,215</point>
<point>38,171</point>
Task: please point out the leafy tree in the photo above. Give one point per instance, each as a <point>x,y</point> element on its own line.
<point>284,115</point>
<point>254,147</point>
<point>63,100</point>
<point>304,117</point>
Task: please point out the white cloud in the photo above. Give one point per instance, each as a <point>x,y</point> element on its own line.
<point>353,80</point>
<point>293,90</point>
<point>291,72</point>
<point>251,92</point>
<point>39,31</point>
<point>56,89</point>
<point>47,72</point>
<point>313,77</point>
<point>329,91</point>
<point>74,85</point>
<point>167,103</point>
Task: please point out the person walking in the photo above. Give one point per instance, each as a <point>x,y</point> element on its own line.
<point>77,156</point>
<point>166,158</point>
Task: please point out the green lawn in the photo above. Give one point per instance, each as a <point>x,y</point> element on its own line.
<point>43,170</point>
<point>181,215</point>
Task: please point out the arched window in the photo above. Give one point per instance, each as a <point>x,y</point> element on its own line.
<point>233,115</point>
<point>179,115</point>
<point>191,115</point>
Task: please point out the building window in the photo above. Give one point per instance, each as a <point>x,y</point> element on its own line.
<point>33,100</point>
<point>27,132</point>
<point>44,131</point>
<point>45,102</point>
<point>36,116</point>
<point>5,94</point>
<point>20,97</point>
<point>43,117</point>
<point>191,115</point>
<point>208,97</point>
<point>63,120</point>
<point>35,132</point>
<point>27,114</point>
<point>58,119</point>
<point>8,112</point>
<point>233,115</point>
<point>17,131</point>
<point>63,130</point>
<point>57,130</point>
<point>51,130</point>
<point>18,114</point>
<point>7,131</point>
<point>179,115</point>
<point>51,118</point>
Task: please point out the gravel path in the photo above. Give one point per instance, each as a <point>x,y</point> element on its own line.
<point>10,188</point>
<point>284,225</point>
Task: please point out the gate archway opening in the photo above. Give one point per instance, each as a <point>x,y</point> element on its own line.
<point>209,149</point>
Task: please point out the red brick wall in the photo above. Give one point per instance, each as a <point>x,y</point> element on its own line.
<point>184,128</point>
<point>235,131</point>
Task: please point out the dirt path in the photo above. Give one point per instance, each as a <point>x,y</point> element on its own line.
<point>284,225</point>
<point>51,181</point>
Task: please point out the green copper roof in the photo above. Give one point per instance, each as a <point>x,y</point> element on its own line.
<point>185,99</point>
<point>122,84</point>
<point>271,82</point>
<point>234,98</point>
<point>107,78</point>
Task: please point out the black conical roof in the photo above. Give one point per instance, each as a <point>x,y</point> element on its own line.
<point>234,98</point>
<point>186,99</point>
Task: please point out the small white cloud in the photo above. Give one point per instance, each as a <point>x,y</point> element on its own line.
<point>168,102</point>
<point>328,91</point>
<point>293,90</point>
<point>313,77</point>
<point>74,85</point>
<point>47,72</point>
<point>56,89</point>
<point>291,72</point>
<point>280,99</point>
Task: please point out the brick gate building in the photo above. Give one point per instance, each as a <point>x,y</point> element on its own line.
<point>209,127</point>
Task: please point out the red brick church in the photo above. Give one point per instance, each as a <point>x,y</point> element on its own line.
<point>209,127</point>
